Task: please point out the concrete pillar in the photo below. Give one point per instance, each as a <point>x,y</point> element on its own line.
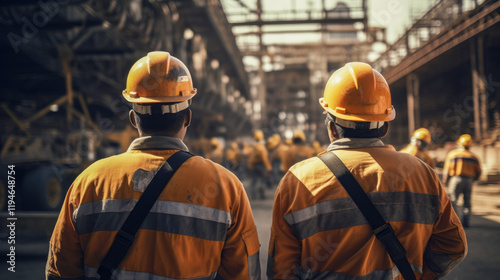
<point>475,90</point>
<point>413,100</point>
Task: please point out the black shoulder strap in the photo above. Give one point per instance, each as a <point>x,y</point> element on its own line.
<point>382,230</point>
<point>125,236</point>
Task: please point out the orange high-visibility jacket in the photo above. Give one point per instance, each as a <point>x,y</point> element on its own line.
<point>462,162</point>
<point>318,232</point>
<point>201,227</point>
<point>259,155</point>
<point>422,155</point>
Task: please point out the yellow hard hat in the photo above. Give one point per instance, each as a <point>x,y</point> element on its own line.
<point>422,134</point>
<point>273,141</point>
<point>299,134</point>
<point>258,135</point>
<point>214,142</point>
<point>465,140</point>
<point>357,92</point>
<point>159,78</point>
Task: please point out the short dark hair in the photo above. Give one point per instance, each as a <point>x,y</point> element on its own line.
<point>297,140</point>
<point>345,132</point>
<point>169,123</point>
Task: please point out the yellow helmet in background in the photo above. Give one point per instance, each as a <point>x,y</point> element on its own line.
<point>299,134</point>
<point>465,140</point>
<point>159,78</point>
<point>214,142</point>
<point>357,92</point>
<point>423,134</point>
<point>258,135</point>
<point>273,141</point>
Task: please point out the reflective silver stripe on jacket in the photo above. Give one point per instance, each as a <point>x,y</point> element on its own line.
<point>254,266</point>
<point>91,274</point>
<point>342,212</point>
<point>174,217</point>
<point>382,274</point>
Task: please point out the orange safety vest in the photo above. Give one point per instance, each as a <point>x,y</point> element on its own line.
<point>422,155</point>
<point>259,155</point>
<point>200,227</point>
<point>318,231</point>
<point>462,162</point>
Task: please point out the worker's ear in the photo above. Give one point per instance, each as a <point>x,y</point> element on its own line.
<point>386,129</point>
<point>187,118</point>
<point>131,117</point>
<point>332,132</point>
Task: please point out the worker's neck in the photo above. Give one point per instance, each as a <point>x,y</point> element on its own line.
<point>181,134</point>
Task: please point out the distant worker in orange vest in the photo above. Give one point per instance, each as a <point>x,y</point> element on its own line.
<point>259,167</point>
<point>277,154</point>
<point>216,151</point>
<point>460,170</point>
<point>420,140</point>
<point>361,210</point>
<point>198,226</point>
<point>317,147</point>
<point>232,156</point>
<point>299,150</point>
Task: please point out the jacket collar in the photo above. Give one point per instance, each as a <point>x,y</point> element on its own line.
<point>353,143</point>
<point>157,143</point>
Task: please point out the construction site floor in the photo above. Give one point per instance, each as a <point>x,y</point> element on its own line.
<point>481,263</point>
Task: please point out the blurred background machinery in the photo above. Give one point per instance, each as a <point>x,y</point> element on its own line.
<point>65,65</point>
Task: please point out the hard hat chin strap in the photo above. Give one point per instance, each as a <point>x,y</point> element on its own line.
<point>164,108</point>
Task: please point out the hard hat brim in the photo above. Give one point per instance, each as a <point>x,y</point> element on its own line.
<point>360,117</point>
<point>162,99</point>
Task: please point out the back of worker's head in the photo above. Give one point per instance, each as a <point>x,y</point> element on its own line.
<point>465,141</point>
<point>299,137</point>
<point>421,138</point>
<point>357,101</point>
<point>160,88</point>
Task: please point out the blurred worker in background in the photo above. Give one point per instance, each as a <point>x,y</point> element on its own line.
<point>299,150</point>
<point>259,167</point>
<point>460,169</point>
<point>317,147</point>
<point>420,140</point>
<point>277,154</point>
<point>318,232</point>
<point>216,151</point>
<point>232,157</point>
<point>200,227</point>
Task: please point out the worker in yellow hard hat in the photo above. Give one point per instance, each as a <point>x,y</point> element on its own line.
<point>259,166</point>
<point>277,153</point>
<point>299,150</point>
<point>460,170</point>
<point>373,212</point>
<point>156,211</point>
<point>216,151</point>
<point>420,140</point>
<point>232,156</point>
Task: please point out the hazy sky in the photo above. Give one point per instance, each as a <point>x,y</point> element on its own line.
<point>395,15</point>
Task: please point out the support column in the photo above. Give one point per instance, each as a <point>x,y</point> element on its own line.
<point>482,87</point>
<point>413,99</point>
<point>475,90</point>
<point>261,88</point>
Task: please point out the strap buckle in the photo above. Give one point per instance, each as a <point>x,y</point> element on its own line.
<point>124,238</point>
<point>383,231</point>
<point>386,235</point>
